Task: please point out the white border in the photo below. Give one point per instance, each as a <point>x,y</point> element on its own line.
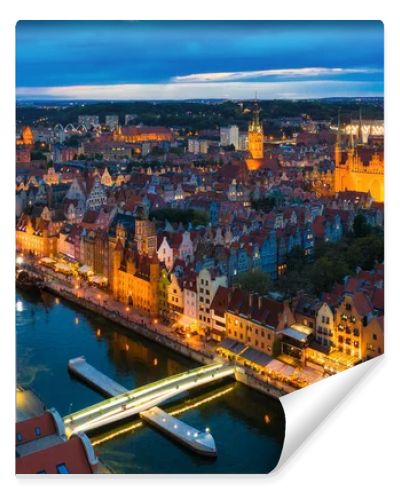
<point>355,451</point>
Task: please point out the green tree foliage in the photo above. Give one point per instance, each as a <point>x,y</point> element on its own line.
<point>264,204</point>
<point>360,226</point>
<point>195,217</point>
<point>254,281</point>
<point>331,262</point>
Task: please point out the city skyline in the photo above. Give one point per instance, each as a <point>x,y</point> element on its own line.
<point>121,60</point>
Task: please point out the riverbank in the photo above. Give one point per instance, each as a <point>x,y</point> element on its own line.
<point>159,334</point>
<point>52,330</point>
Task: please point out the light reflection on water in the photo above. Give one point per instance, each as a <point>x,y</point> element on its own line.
<point>48,336</point>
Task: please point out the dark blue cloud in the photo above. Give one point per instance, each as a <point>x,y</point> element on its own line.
<point>65,53</point>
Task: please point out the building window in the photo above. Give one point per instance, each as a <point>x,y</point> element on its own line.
<point>19,437</point>
<point>38,431</point>
<point>62,469</point>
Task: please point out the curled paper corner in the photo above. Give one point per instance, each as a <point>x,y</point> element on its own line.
<point>307,408</point>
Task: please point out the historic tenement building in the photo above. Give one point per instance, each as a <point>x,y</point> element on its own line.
<point>135,273</point>
<point>36,236</point>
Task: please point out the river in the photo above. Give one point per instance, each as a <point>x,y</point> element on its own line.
<point>50,331</point>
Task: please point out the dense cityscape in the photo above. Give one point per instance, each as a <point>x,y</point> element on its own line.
<point>260,247</point>
<point>199,234</point>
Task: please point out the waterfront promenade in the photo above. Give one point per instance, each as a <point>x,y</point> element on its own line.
<point>100,302</point>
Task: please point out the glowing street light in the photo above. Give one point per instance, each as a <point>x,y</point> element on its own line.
<point>19,260</point>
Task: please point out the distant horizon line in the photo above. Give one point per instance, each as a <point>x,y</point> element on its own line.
<point>222,99</point>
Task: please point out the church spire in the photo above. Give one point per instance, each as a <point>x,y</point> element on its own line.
<point>360,139</point>
<point>255,124</point>
<point>338,141</point>
<point>351,145</point>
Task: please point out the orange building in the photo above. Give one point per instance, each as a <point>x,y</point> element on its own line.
<point>359,169</point>
<point>141,134</point>
<point>135,272</point>
<point>26,137</point>
<point>256,141</point>
<point>36,236</point>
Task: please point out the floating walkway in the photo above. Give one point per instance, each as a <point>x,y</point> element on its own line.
<point>200,442</point>
<point>82,369</point>
<point>143,401</point>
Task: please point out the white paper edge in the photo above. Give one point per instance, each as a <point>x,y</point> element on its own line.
<point>306,408</point>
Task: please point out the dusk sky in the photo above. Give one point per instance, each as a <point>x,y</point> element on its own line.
<point>194,60</point>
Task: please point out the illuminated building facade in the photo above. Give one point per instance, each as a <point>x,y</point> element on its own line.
<point>36,236</point>
<point>256,321</point>
<point>145,237</point>
<point>359,169</point>
<point>141,134</point>
<point>255,141</point>
<point>26,137</point>
<point>135,274</point>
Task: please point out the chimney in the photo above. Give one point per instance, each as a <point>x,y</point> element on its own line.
<point>259,302</point>
<point>250,299</point>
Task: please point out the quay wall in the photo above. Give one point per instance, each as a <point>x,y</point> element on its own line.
<point>274,389</point>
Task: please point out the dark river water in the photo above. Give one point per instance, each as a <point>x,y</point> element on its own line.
<point>50,331</point>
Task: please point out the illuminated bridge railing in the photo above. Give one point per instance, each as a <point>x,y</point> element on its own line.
<point>142,398</point>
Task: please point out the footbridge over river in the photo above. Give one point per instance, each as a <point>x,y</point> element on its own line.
<point>138,400</point>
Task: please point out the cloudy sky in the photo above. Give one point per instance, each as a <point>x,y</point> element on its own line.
<point>187,60</point>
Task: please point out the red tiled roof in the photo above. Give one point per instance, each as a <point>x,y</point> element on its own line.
<point>362,304</point>
<point>378,298</point>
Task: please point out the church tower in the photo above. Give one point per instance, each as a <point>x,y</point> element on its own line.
<point>256,135</point>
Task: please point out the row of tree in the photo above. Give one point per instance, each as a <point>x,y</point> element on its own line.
<point>177,215</point>
<point>332,261</point>
<point>201,115</point>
